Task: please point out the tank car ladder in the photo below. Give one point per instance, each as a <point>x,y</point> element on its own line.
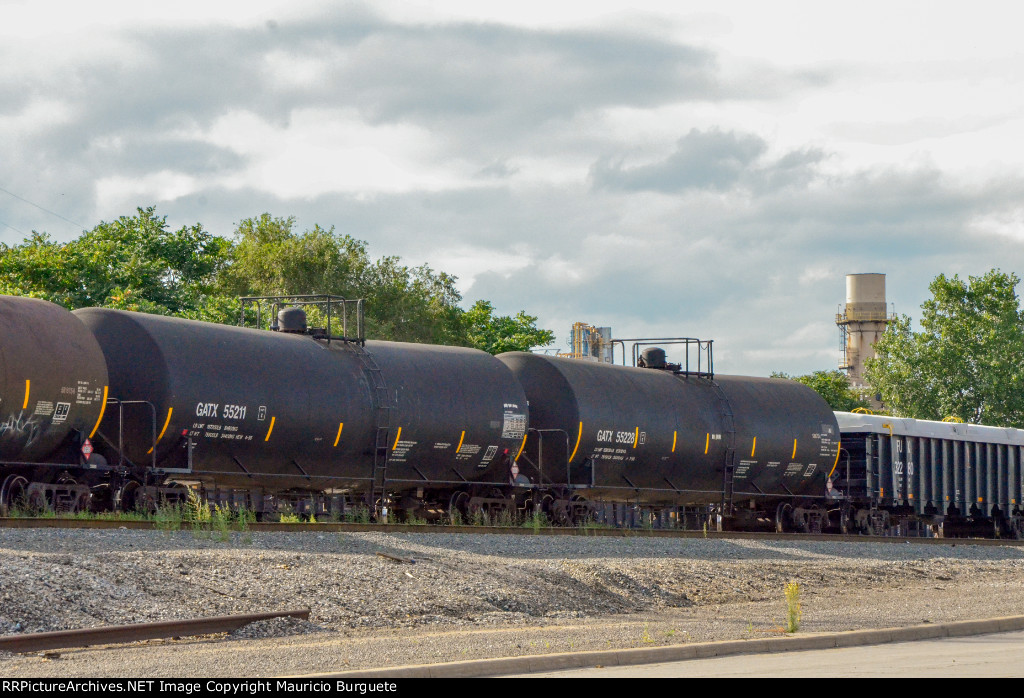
<point>729,422</point>
<point>382,408</point>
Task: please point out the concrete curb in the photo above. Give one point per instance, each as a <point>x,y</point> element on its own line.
<point>675,653</point>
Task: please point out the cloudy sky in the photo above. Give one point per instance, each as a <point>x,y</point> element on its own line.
<point>665,168</point>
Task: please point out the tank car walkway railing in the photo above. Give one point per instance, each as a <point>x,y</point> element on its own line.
<point>698,354</point>
<point>331,309</point>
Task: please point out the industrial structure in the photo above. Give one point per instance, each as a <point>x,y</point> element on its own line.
<point>861,323</point>
<point>590,343</point>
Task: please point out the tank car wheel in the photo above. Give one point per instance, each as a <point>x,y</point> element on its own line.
<point>131,498</point>
<point>12,493</point>
<point>582,511</point>
<point>561,512</point>
<point>68,505</point>
<point>458,507</point>
<point>36,501</point>
<point>84,502</point>
<point>783,518</point>
<point>544,504</point>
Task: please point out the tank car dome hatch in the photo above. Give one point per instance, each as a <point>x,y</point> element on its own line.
<point>292,320</point>
<point>653,357</point>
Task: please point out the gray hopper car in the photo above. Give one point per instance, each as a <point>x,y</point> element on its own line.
<point>958,479</point>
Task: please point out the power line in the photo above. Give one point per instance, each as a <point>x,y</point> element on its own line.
<point>20,232</point>
<point>9,193</point>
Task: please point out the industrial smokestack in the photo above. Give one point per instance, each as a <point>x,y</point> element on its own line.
<point>862,321</point>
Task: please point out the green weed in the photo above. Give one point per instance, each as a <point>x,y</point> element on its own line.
<point>359,514</point>
<point>480,518</point>
<point>537,520</point>
<point>169,518</point>
<point>220,522</point>
<point>508,517</point>
<point>793,611</point>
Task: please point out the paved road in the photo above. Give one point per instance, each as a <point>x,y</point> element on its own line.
<point>981,656</point>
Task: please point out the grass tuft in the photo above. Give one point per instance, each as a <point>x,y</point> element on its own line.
<point>537,520</point>
<point>793,612</point>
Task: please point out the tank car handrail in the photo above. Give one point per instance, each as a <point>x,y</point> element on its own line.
<point>703,346</point>
<point>540,451</point>
<point>315,299</point>
<point>120,429</point>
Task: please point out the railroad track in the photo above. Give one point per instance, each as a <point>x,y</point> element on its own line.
<point>119,634</point>
<point>504,530</point>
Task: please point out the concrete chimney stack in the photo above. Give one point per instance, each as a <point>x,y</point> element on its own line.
<point>862,321</point>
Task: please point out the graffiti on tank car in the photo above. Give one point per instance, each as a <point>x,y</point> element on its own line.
<point>21,426</point>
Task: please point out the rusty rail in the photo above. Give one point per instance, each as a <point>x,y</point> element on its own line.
<point>116,634</point>
<point>515,530</point>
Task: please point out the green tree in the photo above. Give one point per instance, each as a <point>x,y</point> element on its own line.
<point>41,268</point>
<point>268,259</point>
<point>506,333</point>
<point>134,262</point>
<point>412,304</point>
<point>833,386</point>
<point>137,263</point>
<point>966,360</point>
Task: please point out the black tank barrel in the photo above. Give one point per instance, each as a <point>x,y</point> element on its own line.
<point>306,412</point>
<point>650,435</point>
<point>53,380</point>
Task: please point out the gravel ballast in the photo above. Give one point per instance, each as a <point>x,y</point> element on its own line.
<point>463,596</point>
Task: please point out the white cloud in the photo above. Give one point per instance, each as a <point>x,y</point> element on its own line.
<point>124,193</point>
<point>330,150</point>
<point>640,164</point>
<point>1007,224</point>
<point>36,117</point>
